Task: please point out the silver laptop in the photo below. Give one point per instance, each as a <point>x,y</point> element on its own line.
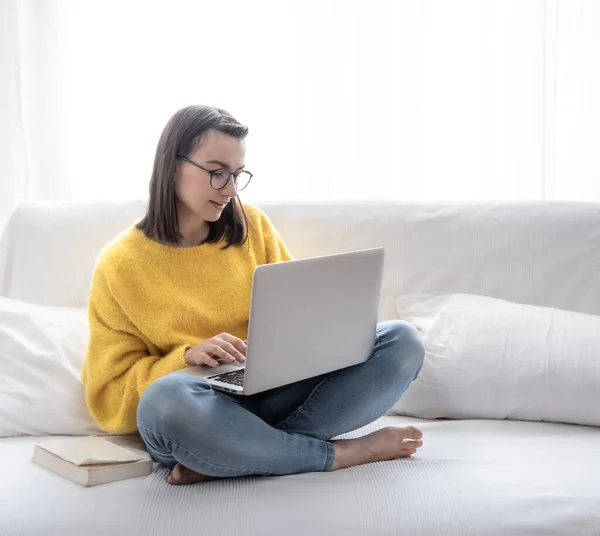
<point>307,317</point>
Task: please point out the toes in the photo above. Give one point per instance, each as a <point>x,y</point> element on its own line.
<point>178,475</point>
<point>413,433</point>
<point>407,432</point>
<point>409,444</point>
<point>182,481</point>
<point>175,475</point>
<point>182,475</point>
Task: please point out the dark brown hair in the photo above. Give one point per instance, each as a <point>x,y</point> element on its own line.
<point>180,137</point>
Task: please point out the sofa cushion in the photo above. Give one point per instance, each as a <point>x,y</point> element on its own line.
<point>493,359</point>
<point>41,353</point>
<point>540,253</point>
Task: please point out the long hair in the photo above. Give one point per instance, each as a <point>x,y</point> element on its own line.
<point>181,136</point>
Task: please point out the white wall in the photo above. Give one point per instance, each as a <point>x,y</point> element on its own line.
<point>345,99</point>
<point>12,159</point>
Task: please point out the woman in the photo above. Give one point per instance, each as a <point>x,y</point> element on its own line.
<point>173,291</point>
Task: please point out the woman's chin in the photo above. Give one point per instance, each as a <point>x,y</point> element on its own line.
<point>211,215</point>
<point>207,212</point>
<point>214,211</point>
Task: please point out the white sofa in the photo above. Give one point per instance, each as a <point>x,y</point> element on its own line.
<point>477,477</point>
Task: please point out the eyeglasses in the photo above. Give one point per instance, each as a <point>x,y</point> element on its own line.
<point>219,178</point>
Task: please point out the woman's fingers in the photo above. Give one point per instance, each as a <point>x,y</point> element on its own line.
<point>232,352</point>
<point>224,348</point>
<point>238,344</point>
<point>208,360</point>
<point>217,352</point>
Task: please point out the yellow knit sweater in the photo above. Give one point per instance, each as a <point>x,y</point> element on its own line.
<point>149,302</point>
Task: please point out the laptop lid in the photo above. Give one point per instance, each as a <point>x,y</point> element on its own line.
<point>312,316</point>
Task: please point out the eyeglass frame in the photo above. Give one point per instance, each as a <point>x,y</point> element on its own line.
<point>213,171</point>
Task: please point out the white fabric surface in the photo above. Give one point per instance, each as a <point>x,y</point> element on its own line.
<point>538,253</point>
<point>492,359</point>
<point>41,353</point>
<point>48,250</point>
<point>479,478</point>
<point>459,99</point>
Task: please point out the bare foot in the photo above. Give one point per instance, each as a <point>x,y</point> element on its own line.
<point>181,475</point>
<point>388,443</point>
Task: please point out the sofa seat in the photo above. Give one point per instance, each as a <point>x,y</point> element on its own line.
<point>478,478</point>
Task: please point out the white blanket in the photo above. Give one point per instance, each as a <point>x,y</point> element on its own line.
<point>477,478</point>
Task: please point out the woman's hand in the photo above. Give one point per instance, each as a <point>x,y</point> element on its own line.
<point>223,347</point>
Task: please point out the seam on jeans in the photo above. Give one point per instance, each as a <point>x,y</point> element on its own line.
<point>290,418</point>
<point>211,466</point>
<point>329,457</point>
<point>307,402</point>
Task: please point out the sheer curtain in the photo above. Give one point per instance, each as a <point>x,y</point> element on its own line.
<point>345,99</point>
<point>13,173</point>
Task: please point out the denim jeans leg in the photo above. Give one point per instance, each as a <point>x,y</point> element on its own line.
<point>356,396</point>
<point>181,419</point>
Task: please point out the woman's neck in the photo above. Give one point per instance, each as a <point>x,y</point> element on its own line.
<point>193,230</point>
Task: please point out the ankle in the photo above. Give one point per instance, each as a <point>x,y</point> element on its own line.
<point>345,454</point>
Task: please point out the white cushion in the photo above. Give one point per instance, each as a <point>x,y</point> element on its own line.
<point>491,359</point>
<point>41,354</point>
<point>543,253</point>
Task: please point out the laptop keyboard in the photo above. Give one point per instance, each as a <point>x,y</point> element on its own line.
<point>235,377</point>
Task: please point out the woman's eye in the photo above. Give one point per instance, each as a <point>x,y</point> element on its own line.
<point>221,174</point>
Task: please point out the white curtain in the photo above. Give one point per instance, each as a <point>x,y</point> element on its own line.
<point>13,173</point>
<point>345,99</point>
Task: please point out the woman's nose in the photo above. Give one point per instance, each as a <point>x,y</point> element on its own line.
<point>230,188</point>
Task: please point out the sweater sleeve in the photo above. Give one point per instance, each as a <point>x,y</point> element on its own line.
<point>118,365</point>
<point>275,249</point>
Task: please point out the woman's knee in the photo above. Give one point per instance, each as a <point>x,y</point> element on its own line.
<point>167,401</point>
<point>408,349</point>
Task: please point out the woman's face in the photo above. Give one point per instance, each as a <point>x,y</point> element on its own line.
<point>192,184</point>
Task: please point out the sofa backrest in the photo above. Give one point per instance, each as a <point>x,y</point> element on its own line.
<point>538,253</point>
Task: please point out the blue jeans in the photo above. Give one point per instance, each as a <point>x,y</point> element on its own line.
<point>281,431</point>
